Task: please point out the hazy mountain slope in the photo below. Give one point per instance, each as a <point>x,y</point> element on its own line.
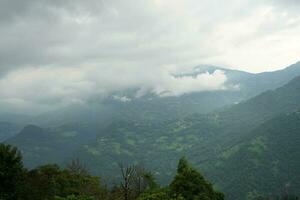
<point>235,124</point>
<point>154,108</point>
<point>196,135</point>
<point>8,130</point>
<point>271,80</point>
<point>267,163</point>
<point>53,145</point>
<point>200,137</point>
<point>158,142</point>
<point>253,84</point>
<point>263,107</point>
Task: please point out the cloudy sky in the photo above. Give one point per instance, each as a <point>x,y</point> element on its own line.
<point>57,52</point>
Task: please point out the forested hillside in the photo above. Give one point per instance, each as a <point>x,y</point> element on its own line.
<point>159,144</point>
<point>267,161</point>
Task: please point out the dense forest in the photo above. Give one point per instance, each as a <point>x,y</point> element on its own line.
<point>50,182</point>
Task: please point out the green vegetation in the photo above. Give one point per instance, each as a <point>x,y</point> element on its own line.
<point>45,182</point>
<point>11,173</point>
<point>74,183</point>
<point>190,184</point>
<point>73,197</point>
<point>269,160</point>
<point>247,150</point>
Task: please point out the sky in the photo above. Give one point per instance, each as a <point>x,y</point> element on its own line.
<point>54,53</point>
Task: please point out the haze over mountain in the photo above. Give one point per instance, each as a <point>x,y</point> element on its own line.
<point>207,140</point>
<point>238,87</point>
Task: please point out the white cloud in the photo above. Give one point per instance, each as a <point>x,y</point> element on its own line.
<point>51,88</point>
<point>175,86</point>
<point>121,98</point>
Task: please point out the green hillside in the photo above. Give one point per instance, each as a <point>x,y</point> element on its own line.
<point>53,145</point>
<point>158,144</point>
<point>266,164</point>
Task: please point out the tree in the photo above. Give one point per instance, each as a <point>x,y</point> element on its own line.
<point>159,194</point>
<point>155,195</point>
<point>142,181</point>
<point>49,181</point>
<point>135,181</point>
<point>11,173</point>
<point>43,182</point>
<point>128,174</point>
<point>116,193</point>
<point>191,185</point>
<point>73,197</point>
<point>76,167</point>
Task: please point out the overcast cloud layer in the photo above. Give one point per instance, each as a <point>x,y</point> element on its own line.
<point>55,52</point>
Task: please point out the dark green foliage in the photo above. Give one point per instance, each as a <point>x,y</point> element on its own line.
<point>150,181</point>
<point>42,182</point>
<point>73,197</point>
<point>55,145</point>
<point>49,181</point>
<point>76,167</point>
<point>188,184</point>
<point>157,194</point>
<point>191,185</point>
<point>45,182</point>
<point>11,173</point>
<point>269,160</point>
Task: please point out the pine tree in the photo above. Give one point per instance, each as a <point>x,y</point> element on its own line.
<point>11,173</point>
<point>191,185</point>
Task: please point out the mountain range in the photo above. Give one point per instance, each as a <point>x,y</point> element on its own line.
<point>245,140</point>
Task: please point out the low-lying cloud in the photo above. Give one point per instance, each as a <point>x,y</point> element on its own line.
<point>48,87</point>
<point>176,86</point>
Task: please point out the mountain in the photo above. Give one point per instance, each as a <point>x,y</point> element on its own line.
<point>52,145</point>
<point>261,108</point>
<point>158,144</point>
<point>269,160</point>
<point>151,107</point>
<point>251,84</point>
<point>8,129</point>
<point>157,134</point>
<point>272,80</point>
